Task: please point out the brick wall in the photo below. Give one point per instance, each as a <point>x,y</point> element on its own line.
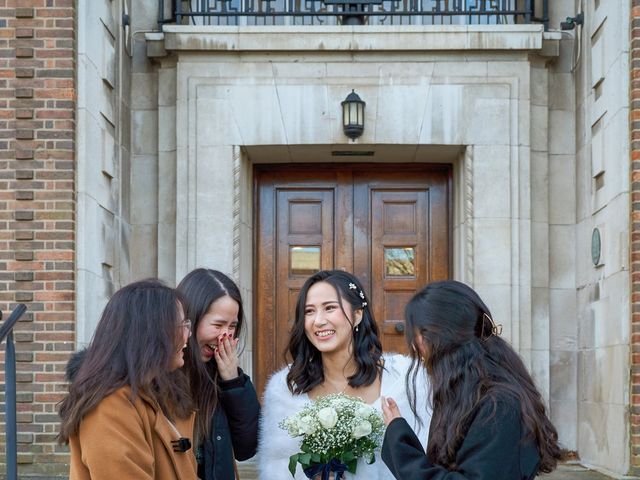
<point>635,238</point>
<point>37,215</point>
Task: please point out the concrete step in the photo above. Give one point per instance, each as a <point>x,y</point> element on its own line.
<point>247,470</point>
<point>575,471</point>
<point>568,471</point>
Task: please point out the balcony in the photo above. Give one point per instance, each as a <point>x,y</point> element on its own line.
<point>351,12</point>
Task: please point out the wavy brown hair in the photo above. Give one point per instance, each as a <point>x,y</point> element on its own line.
<point>468,365</point>
<point>306,369</point>
<point>133,345</point>
<point>200,288</point>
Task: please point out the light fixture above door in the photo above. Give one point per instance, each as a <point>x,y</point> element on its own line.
<point>353,115</point>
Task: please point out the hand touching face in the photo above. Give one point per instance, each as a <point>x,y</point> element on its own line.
<point>216,333</point>
<point>226,356</point>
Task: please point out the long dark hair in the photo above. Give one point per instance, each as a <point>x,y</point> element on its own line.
<point>467,364</point>
<point>133,345</point>
<point>306,369</point>
<point>200,288</point>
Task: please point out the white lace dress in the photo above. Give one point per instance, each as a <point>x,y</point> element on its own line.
<point>276,446</point>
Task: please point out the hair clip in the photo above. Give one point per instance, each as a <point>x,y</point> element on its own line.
<point>495,329</point>
<point>181,445</point>
<point>353,286</point>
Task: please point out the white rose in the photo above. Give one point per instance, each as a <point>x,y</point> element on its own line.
<point>340,402</point>
<point>364,411</point>
<point>305,425</point>
<point>328,417</point>
<point>361,430</point>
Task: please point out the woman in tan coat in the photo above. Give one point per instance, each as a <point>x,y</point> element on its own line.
<point>128,414</point>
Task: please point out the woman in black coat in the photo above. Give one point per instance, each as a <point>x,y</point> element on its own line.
<point>488,418</point>
<point>228,408</point>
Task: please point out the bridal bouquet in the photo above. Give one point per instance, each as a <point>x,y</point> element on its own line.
<point>336,431</point>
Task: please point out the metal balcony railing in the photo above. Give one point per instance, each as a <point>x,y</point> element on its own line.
<point>351,12</point>
<point>11,443</point>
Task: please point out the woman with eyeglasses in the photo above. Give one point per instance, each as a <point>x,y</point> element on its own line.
<point>227,404</point>
<point>128,413</point>
<point>488,418</point>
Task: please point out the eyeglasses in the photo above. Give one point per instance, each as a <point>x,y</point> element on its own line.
<point>186,324</point>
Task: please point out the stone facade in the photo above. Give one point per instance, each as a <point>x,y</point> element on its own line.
<point>526,196</point>
<point>602,202</point>
<point>103,176</point>
<point>171,124</point>
<point>635,237</point>
<point>236,110</point>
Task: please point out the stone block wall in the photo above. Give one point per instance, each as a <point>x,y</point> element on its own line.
<point>237,108</point>
<point>103,115</point>
<point>37,215</point>
<point>602,205</point>
<point>635,237</point>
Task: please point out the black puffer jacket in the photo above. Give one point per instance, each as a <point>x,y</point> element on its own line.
<point>234,429</point>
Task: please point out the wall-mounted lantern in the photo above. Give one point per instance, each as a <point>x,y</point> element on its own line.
<point>353,115</point>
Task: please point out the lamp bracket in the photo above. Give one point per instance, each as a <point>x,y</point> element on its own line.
<point>571,22</point>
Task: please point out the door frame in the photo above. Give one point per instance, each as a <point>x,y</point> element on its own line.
<point>259,272</point>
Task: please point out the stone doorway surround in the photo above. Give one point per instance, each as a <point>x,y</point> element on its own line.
<point>475,96</point>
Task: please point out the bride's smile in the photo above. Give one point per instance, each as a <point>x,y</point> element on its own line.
<point>329,320</point>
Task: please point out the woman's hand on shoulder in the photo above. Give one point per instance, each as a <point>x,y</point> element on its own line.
<point>226,355</point>
<point>390,410</point>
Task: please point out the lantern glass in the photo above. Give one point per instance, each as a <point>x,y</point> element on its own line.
<point>353,114</point>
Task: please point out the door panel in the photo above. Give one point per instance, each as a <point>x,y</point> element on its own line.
<point>389,225</point>
<point>397,211</point>
<point>305,228</point>
<point>399,261</point>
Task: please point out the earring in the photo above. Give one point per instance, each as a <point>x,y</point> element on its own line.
<point>356,328</point>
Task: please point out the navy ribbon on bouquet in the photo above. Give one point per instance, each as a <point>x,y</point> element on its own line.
<point>325,469</point>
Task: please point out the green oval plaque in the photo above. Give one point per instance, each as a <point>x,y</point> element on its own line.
<point>596,246</point>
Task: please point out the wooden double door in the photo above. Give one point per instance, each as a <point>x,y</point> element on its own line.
<point>388,224</point>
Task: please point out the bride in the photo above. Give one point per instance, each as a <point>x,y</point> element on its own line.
<point>335,348</point>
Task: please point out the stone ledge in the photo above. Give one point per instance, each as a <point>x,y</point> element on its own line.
<point>346,38</point>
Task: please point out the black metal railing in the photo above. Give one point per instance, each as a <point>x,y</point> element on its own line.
<point>11,428</point>
<point>351,12</point>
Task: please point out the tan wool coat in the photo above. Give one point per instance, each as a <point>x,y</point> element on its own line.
<point>120,440</point>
